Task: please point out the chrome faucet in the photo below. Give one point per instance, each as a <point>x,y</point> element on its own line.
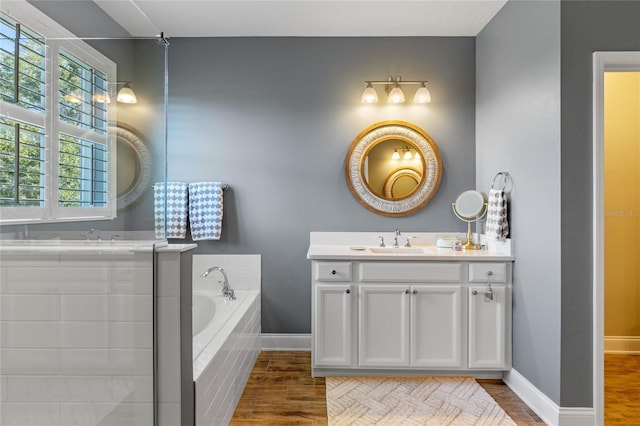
<point>227,291</point>
<point>395,239</point>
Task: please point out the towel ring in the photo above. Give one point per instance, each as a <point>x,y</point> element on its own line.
<point>504,180</point>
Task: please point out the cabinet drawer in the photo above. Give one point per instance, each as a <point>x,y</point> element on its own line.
<point>332,271</point>
<point>410,272</point>
<point>485,272</point>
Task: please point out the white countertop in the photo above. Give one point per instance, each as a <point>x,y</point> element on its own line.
<point>359,245</point>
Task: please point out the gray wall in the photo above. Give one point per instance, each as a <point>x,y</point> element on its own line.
<point>587,26</point>
<point>274,119</point>
<point>518,130</point>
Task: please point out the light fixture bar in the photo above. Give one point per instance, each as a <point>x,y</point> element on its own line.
<point>394,91</point>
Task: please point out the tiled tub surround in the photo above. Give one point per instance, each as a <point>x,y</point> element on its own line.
<point>76,330</point>
<point>225,351</point>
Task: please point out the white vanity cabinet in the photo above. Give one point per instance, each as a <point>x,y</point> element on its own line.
<point>409,326</point>
<point>489,316</point>
<point>405,322</point>
<point>379,316</point>
<point>332,314</point>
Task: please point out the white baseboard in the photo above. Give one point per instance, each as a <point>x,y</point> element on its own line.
<point>286,342</point>
<point>544,407</point>
<point>622,345</point>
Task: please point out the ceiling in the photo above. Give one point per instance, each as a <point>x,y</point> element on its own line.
<point>302,18</point>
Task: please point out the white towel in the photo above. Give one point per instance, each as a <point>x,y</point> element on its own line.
<point>177,209</point>
<point>497,226</point>
<point>205,210</point>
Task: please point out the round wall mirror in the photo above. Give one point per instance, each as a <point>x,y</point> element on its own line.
<point>133,165</point>
<point>393,168</point>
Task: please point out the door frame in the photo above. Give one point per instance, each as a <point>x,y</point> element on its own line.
<point>602,62</point>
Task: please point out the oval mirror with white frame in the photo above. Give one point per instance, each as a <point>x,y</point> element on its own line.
<point>393,168</point>
<point>469,207</point>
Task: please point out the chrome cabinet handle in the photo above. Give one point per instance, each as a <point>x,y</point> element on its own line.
<point>333,272</point>
<point>474,292</point>
<point>415,292</point>
<point>406,291</point>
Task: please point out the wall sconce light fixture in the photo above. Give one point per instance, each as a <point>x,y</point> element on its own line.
<point>126,95</point>
<point>394,91</point>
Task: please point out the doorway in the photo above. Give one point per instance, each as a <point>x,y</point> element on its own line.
<point>604,62</point>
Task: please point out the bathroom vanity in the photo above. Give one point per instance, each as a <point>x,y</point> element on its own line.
<point>409,310</point>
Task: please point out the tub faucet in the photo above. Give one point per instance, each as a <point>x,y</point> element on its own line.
<point>227,291</point>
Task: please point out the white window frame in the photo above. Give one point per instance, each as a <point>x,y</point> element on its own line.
<point>58,38</point>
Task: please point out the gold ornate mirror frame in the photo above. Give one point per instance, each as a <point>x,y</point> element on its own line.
<point>401,131</point>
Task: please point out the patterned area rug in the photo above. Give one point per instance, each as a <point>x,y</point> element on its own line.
<point>433,401</point>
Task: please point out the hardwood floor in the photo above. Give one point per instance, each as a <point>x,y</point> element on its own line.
<point>622,389</point>
<point>281,391</point>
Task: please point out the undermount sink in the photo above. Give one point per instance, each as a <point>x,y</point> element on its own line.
<point>396,250</point>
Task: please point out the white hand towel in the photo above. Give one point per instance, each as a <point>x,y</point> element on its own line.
<point>497,226</point>
<point>177,209</point>
<point>205,210</point>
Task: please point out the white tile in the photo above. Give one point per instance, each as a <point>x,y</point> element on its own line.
<point>130,308</point>
<point>63,279</point>
<point>28,307</point>
<point>29,334</point>
<point>35,389</point>
<point>29,361</point>
<point>21,414</point>
<point>88,389</point>
<point>84,335</point>
<point>3,388</point>
<point>86,362</point>
<point>84,307</point>
<point>137,362</point>
<point>84,414</point>
<point>132,280</point>
<point>133,388</point>
<point>131,335</point>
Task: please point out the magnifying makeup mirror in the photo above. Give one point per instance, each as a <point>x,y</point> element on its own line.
<point>469,207</point>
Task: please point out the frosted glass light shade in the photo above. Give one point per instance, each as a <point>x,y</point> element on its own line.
<point>126,95</point>
<point>395,155</point>
<point>408,155</point>
<point>422,96</point>
<point>369,96</point>
<point>396,96</point>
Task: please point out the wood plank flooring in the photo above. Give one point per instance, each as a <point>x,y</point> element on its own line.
<point>281,391</point>
<point>621,389</point>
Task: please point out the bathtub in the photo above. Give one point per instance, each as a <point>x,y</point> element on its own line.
<point>211,326</point>
<point>226,342</point>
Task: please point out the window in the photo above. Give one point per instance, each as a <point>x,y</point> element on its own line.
<point>22,168</point>
<point>57,153</point>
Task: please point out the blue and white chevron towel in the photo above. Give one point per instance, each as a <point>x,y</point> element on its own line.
<point>177,209</point>
<point>205,210</point>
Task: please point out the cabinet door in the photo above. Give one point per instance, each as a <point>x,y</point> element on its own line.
<point>383,325</point>
<point>487,327</point>
<point>332,325</point>
<point>436,327</point>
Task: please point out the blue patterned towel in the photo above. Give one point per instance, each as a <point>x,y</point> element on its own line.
<point>177,209</point>
<point>205,210</point>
